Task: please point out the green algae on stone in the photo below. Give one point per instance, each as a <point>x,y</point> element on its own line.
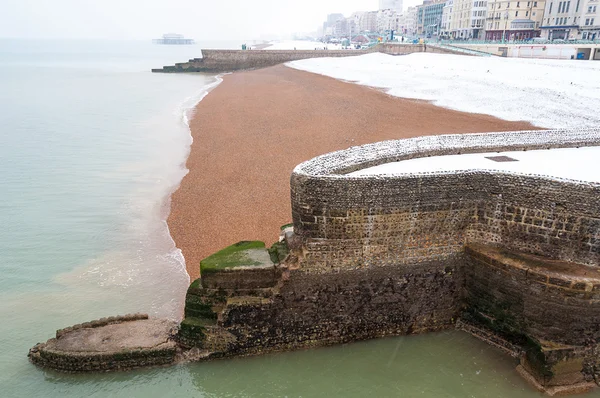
<point>285,226</point>
<point>241,254</point>
<point>278,252</point>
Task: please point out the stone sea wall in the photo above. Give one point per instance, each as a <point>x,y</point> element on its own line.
<point>512,258</point>
<point>398,222</point>
<point>218,61</point>
<point>548,308</point>
<point>332,308</point>
<point>353,221</point>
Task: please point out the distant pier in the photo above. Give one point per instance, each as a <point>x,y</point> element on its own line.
<point>173,38</point>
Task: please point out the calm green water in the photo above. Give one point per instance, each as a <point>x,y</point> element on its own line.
<point>91,146</point>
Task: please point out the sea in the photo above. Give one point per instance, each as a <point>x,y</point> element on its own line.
<point>92,144</point>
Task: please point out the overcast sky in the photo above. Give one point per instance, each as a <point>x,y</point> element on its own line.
<point>145,19</point>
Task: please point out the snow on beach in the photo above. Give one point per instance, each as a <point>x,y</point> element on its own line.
<point>547,93</point>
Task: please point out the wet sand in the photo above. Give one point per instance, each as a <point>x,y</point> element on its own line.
<point>256,126</point>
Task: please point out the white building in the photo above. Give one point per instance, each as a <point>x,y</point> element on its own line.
<point>477,19</point>
<point>468,19</point>
<point>577,19</point>
<point>447,18</point>
<point>368,21</point>
<point>387,20</point>
<point>395,5</point>
<point>407,22</point>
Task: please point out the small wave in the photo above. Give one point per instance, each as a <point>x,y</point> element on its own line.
<point>187,105</point>
<point>186,108</point>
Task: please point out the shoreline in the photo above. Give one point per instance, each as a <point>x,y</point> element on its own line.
<point>256,126</point>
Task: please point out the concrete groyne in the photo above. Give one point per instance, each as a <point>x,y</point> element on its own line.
<point>219,61</point>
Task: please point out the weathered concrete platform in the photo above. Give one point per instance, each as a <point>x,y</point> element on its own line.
<point>115,343</point>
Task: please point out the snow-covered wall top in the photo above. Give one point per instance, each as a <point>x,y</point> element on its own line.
<point>350,221</point>
<point>337,164</point>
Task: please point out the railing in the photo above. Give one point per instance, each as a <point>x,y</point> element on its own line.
<point>462,50</point>
<point>526,42</point>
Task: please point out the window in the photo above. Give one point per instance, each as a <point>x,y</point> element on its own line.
<point>518,4</point>
<point>535,3</point>
<point>568,4</point>
<point>516,13</point>
<point>526,13</point>
<point>577,6</point>
<point>550,11</point>
<point>533,14</point>
<point>592,21</point>
<point>587,21</point>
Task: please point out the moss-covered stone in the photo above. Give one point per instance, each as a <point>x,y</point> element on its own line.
<point>241,254</point>
<point>278,252</point>
<point>199,307</point>
<point>192,331</point>
<point>286,226</point>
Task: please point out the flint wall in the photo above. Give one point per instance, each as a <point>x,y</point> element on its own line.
<point>352,222</point>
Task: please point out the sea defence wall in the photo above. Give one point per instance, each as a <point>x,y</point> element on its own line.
<point>512,258</point>
<point>349,223</point>
<point>537,50</point>
<point>218,61</point>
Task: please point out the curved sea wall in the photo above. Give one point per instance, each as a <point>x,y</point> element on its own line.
<point>376,219</point>
<point>349,223</point>
<point>512,258</point>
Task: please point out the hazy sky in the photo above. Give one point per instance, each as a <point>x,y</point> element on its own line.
<point>144,19</point>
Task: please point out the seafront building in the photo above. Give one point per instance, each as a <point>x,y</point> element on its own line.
<point>493,20</point>
<point>387,20</point>
<point>407,22</point>
<point>467,20</point>
<point>429,17</point>
<point>571,20</point>
<point>368,21</point>
<point>364,24</point>
<point>447,18</point>
<point>514,20</point>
